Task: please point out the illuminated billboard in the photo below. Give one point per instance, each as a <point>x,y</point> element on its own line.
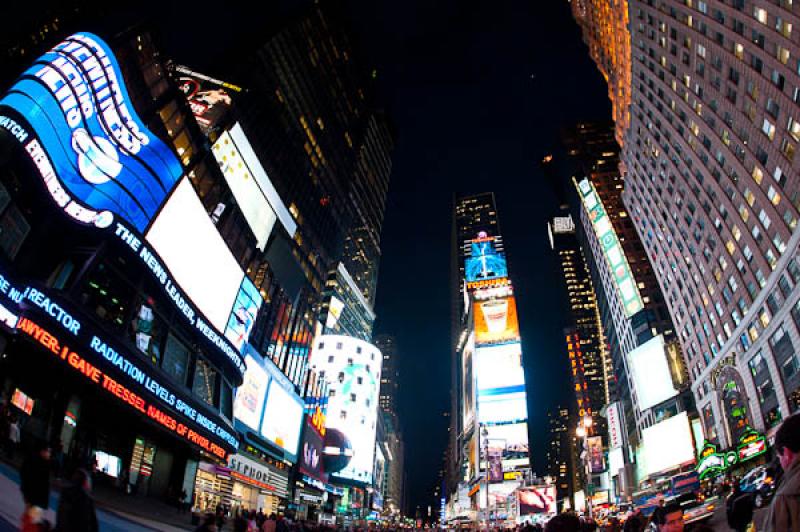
<point>651,376</point>
<point>310,462</point>
<point>193,250</point>
<point>597,462</point>
<point>244,313</point>
<point>469,385</point>
<point>512,440</point>
<point>249,403</point>
<point>251,199</point>
<point>614,425</point>
<point>496,321</point>
<point>484,262</point>
<point>500,382</point>
<point>537,500</point>
<point>612,250</point>
<point>96,155</point>
<point>353,368</point>
<point>668,444</point>
<point>209,98</point>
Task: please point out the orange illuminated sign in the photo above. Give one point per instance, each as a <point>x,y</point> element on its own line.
<point>318,421</point>
<point>94,374</point>
<point>496,321</point>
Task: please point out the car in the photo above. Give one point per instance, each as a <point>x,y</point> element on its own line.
<point>695,507</point>
<point>761,481</point>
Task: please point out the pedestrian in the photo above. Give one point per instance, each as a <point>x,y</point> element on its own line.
<point>252,526</point>
<point>635,522</point>
<point>209,524</point>
<point>14,437</point>
<point>670,518</point>
<point>739,509</point>
<point>784,511</point>
<point>240,521</point>
<point>269,524</point>
<point>35,477</point>
<point>563,523</point>
<point>76,512</point>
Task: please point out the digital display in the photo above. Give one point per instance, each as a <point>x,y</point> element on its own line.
<point>668,444</point>
<point>354,369</point>
<point>597,462</point>
<point>108,464</point>
<point>209,99</point>
<point>512,440</point>
<point>196,255</point>
<point>651,376</point>
<point>310,460</point>
<point>496,407</point>
<point>614,426</point>
<point>243,316</point>
<point>496,321</point>
<point>283,418</point>
<point>537,500</point>
<point>249,403</point>
<point>500,383</point>
<point>22,401</point>
<point>612,249</point>
<point>97,157</point>
<point>469,387</point>
<point>251,199</point>
<point>484,262</point>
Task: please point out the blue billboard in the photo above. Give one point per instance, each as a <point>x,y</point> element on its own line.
<point>96,156</point>
<point>485,262</point>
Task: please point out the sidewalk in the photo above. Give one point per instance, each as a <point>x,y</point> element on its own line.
<point>114,514</point>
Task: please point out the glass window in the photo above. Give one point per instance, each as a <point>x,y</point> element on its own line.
<point>108,295</point>
<point>13,230</point>
<point>176,359</point>
<point>226,400</point>
<point>147,329</point>
<point>205,381</point>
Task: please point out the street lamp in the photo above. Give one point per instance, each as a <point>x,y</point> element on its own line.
<point>582,432</point>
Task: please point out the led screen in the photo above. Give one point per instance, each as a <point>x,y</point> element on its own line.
<point>485,262</point>
<point>500,368</point>
<point>612,249</point>
<point>596,458</point>
<point>501,408</point>
<point>283,418</point>
<point>496,321</point>
<point>249,402</point>
<point>650,372</point>
<point>537,500</point>
<point>244,313</point>
<point>354,368</point>
<point>108,464</point>
<point>310,461</point>
<point>467,357</point>
<point>512,439</point>
<point>248,194</point>
<point>193,250</point>
<point>668,444</point>
<point>93,150</point>
<point>22,401</point>
<point>208,98</point>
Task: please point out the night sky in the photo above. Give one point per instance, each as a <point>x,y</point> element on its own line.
<point>477,93</point>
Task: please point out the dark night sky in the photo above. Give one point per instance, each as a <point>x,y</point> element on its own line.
<point>477,92</point>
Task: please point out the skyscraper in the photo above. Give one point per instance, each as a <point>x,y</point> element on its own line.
<point>391,372</point>
<point>489,437</point>
<point>559,447</point>
<point>712,188</point>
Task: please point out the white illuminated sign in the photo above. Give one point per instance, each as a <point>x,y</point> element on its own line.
<point>650,372</point>
<point>668,444</point>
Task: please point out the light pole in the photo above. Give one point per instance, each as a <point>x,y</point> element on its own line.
<point>583,431</point>
<point>485,449</point>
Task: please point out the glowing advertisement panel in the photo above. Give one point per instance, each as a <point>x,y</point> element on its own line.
<point>651,377</point>
<point>614,426</point>
<point>186,238</point>
<point>248,194</point>
<point>496,321</point>
<point>244,313</point>
<point>249,403</point>
<point>105,161</point>
<point>485,262</point>
<point>612,250</point>
<point>597,462</point>
<point>469,386</point>
<point>354,369</point>
<point>501,383</point>
<point>537,500</point>
<point>283,413</point>
<point>668,444</point>
<point>512,439</point>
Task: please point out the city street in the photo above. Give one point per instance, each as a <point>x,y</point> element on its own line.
<point>11,507</point>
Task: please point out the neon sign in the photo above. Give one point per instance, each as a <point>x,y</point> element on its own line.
<point>751,445</point>
<point>96,156</point>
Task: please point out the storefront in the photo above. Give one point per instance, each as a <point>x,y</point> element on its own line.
<point>247,482</point>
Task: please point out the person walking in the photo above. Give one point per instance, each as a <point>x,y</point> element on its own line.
<point>35,477</point>
<point>76,512</point>
<point>784,511</point>
<point>14,437</point>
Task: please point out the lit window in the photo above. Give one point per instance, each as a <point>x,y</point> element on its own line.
<point>758,175</point>
<point>773,195</point>
<point>768,128</point>
<point>760,14</point>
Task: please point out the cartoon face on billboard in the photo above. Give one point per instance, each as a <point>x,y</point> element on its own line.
<point>96,156</point>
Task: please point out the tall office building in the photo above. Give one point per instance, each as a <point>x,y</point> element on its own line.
<point>391,372</point>
<point>559,464</point>
<point>632,319</point>
<point>590,362</point>
<point>712,188</point>
<point>310,114</point>
<point>489,437</point>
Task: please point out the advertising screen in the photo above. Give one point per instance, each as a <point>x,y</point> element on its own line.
<point>283,418</point>
<point>97,156</point>
<point>186,239</point>
<point>537,500</point>
<point>501,407</point>
<point>244,313</point>
<point>209,99</point>
<point>22,401</point>
<point>310,461</point>
<point>651,377</point>
<point>249,402</point>
<point>614,254</point>
<point>354,368</point>
<point>468,386</point>
<point>500,367</point>
<point>668,444</point>
<point>248,194</point>
<point>512,439</point>
<point>597,461</point>
<point>496,321</point>
<point>494,451</point>
<point>108,464</point>
<point>614,426</point>
<point>485,262</point>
